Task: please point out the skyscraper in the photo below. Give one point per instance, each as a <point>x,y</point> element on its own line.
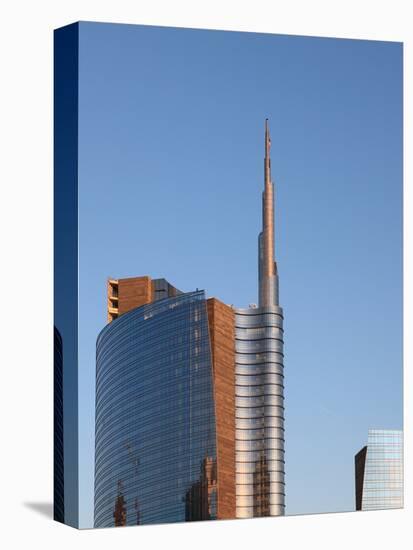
<point>165,427</point>
<point>259,368</point>
<point>189,399</point>
<point>379,471</point>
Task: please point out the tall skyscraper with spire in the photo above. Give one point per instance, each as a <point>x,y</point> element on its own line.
<point>259,375</point>
<point>189,399</point>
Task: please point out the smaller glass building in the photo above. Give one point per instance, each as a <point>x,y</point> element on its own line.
<point>379,471</point>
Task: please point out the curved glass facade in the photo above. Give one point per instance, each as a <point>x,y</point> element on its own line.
<point>155,457</point>
<point>259,411</point>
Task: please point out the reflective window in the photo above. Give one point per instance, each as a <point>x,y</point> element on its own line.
<point>259,411</point>
<point>383,474</point>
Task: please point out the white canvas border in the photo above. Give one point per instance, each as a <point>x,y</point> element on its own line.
<point>26,274</point>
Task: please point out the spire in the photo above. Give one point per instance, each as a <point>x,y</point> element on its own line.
<point>268,210</point>
<point>268,286</point>
<point>267,140</point>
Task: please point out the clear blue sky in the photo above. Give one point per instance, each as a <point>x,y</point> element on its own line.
<point>170,179</point>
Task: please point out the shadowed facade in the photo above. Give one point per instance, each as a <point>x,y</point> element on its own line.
<point>58,432</point>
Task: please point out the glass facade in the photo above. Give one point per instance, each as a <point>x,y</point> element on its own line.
<point>259,412</point>
<point>58,456</point>
<point>155,457</point>
<point>379,471</point>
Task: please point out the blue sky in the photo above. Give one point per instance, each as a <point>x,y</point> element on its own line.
<point>171,130</point>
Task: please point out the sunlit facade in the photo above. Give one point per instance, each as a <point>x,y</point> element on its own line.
<point>259,412</point>
<point>379,471</point>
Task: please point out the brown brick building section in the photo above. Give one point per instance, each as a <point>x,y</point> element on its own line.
<point>221,329</point>
<point>127,294</point>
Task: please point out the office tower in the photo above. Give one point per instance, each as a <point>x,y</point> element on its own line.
<point>165,445</point>
<point>379,471</point>
<point>58,448</point>
<point>259,368</point>
<point>189,399</point>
